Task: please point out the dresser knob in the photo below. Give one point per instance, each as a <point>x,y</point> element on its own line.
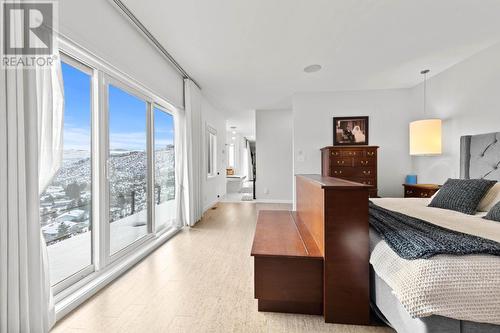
<point>367,172</point>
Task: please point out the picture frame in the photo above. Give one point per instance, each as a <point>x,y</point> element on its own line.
<point>350,131</point>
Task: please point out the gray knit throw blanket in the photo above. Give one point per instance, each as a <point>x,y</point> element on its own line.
<point>412,238</point>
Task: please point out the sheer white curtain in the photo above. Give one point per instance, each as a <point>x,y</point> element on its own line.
<point>26,302</point>
<point>194,153</point>
<point>50,107</point>
<point>181,172</point>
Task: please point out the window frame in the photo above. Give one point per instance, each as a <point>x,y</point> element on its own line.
<point>108,81</point>
<point>84,272</point>
<point>211,152</point>
<point>169,112</point>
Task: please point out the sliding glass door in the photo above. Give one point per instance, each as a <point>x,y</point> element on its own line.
<point>116,189</point>
<point>127,168</point>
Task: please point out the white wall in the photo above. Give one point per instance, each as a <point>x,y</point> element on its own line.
<point>274,150</point>
<point>467,98</point>
<point>213,188</point>
<point>389,112</point>
<point>100,28</point>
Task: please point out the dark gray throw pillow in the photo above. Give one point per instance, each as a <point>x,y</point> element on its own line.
<point>494,213</point>
<point>462,195</point>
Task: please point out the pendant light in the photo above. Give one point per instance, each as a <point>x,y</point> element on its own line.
<point>425,134</point>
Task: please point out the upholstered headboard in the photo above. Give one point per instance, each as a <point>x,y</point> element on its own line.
<point>480,156</point>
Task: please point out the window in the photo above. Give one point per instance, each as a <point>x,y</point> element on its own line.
<point>66,204</point>
<point>211,152</point>
<point>164,172</point>
<point>127,168</point>
<point>231,155</point>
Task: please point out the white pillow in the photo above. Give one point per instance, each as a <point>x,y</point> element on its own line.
<point>490,199</point>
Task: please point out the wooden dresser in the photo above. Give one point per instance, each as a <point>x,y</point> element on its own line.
<point>354,163</point>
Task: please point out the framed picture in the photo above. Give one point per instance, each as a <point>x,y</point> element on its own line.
<point>349,131</point>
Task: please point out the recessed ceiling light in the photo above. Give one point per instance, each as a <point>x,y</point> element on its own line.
<point>312,68</point>
<point>234,132</point>
<point>233,138</point>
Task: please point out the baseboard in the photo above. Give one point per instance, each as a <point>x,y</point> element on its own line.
<point>270,201</point>
<point>210,205</point>
<point>278,201</point>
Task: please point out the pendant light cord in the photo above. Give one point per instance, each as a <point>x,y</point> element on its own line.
<point>424,72</point>
<point>425,95</point>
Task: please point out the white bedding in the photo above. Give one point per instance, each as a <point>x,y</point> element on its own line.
<point>459,287</point>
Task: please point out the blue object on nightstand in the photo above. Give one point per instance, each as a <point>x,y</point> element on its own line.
<point>411,179</point>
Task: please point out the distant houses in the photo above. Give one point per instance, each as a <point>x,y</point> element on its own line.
<point>73,222</point>
<point>65,206</point>
<point>75,215</point>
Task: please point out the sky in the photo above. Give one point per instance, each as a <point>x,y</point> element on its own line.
<point>127,116</point>
<point>76,108</point>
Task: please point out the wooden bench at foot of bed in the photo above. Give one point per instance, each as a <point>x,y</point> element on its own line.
<point>286,260</point>
<point>315,260</point>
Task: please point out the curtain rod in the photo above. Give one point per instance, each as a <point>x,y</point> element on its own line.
<point>153,40</point>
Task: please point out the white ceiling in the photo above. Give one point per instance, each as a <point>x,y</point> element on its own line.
<point>250,54</point>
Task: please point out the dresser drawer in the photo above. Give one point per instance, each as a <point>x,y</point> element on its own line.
<point>352,153</point>
<point>353,172</point>
<point>365,162</point>
<point>341,162</point>
<point>418,193</point>
<point>367,181</point>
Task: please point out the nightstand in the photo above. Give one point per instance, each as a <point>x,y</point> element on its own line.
<point>420,190</point>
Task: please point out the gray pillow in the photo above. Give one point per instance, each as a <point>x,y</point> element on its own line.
<point>494,213</point>
<point>462,195</point>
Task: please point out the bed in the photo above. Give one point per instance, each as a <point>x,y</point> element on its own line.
<point>480,158</point>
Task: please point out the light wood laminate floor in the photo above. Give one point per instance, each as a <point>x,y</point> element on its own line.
<point>199,281</point>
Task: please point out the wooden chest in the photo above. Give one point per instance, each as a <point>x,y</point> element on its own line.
<point>354,163</point>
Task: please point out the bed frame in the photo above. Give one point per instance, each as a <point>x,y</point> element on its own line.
<point>479,158</point>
